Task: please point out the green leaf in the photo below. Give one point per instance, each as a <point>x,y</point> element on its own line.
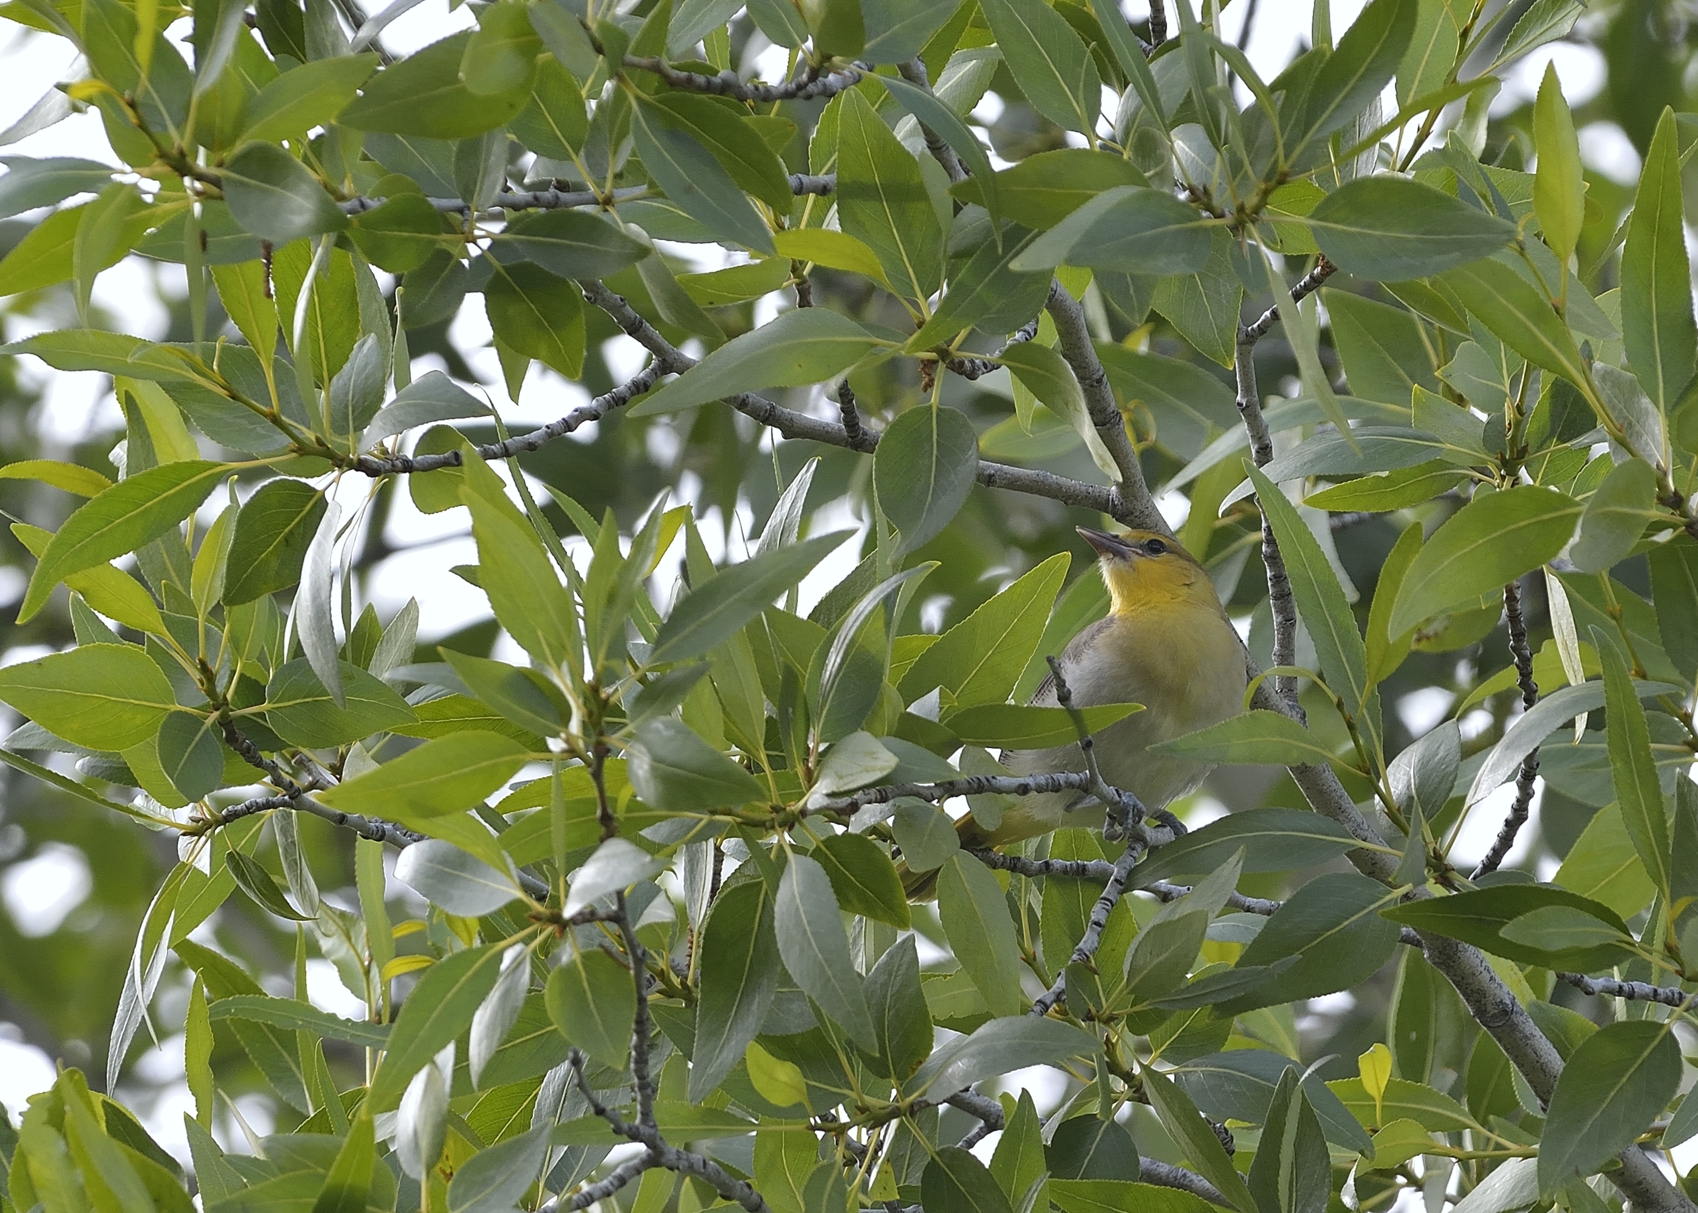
<point>1130,228</point>
<point>1043,189</point>
<point>1486,544</point>
<point>897,30</point>
<point>440,1007</point>
<point>1273,840</point>
<point>863,878</point>
<point>1030,728</point>
<point>522,585</point>
<point>1559,190</point>
<point>1333,926</point>
<point>442,776</point>
<point>1390,228</point>
<point>592,1001</point>
<point>1113,1195</point>
<point>257,883</point>
<point>735,143</point>
<point>502,54</point>
<point>815,948</point>
<point>1258,736</point>
<point>348,1181</point>
<point>424,95</point>
<point>1355,73</point>
<point>882,200</point>
<point>980,932</point>
<point>799,348</point>
<point>721,607</point>
<point>291,1015</point>
<point>1196,1139</point>
<point>1518,314</point>
<point>615,866</point>
<point>1634,767</point>
<point>103,696</point>
<point>191,754</point>
<point>272,533</point>
<point>31,183</point>
<point>305,96</point>
<point>1321,603</point>
<point>302,712</point>
<point>569,244</point>
<point>695,180</point>
<point>276,197</point>
<point>1095,1151</point>
<point>739,978</point>
<point>1613,1086</point>
<point>120,520</point>
<point>942,121</point>
<point>978,660</point>
<point>538,315</point>
<point>1674,588</point>
<point>1050,62</point>
<point>675,771</point>
<point>956,1182</point>
<point>924,467</point>
<point>1656,297</point>
<point>1292,1172</point>
<point>1479,917</point>
<point>497,1177</point>
<point>1616,515</point>
<point>901,1020</point>
<point>999,1047</point>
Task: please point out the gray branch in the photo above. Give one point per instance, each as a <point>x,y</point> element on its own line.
<point>914,71</point>
<point>1086,949</point>
<point>1167,1175</point>
<point>977,368</point>
<point>1638,991</point>
<point>1522,653</point>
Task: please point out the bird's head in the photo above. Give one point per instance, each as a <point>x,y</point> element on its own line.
<point>1146,570</point>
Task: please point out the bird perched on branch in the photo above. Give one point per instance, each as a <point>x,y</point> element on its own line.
<point>1166,643</point>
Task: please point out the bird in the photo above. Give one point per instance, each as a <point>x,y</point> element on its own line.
<point>1166,643</point>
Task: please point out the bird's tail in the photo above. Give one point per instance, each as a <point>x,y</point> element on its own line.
<point>922,886</point>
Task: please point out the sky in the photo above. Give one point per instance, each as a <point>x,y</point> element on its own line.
<point>39,892</point>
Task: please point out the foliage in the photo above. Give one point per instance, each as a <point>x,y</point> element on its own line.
<point>659,852</point>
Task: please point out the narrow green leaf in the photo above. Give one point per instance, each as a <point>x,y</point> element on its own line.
<point>1391,228</point>
<point>1613,1086</point>
<point>980,932</point>
<point>1656,296</point>
<point>882,200</point>
<point>695,180</point>
<point>440,1007</point>
<point>276,197</point>
<point>815,947</point>
<point>103,696</point>
<point>1559,190</point>
<point>1635,767</point>
<point>924,467</point>
<point>721,607</point>
<point>593,1002</point>
<point>1050,62</point>
<point>1196,1139</point>
<point>739,978</point>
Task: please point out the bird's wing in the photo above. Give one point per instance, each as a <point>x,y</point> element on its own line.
<point>1070,657</point>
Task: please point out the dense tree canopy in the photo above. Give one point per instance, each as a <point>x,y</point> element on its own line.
<point>849,312</point>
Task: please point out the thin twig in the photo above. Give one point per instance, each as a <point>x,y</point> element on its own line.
<point>1086,949</point>
<point>1639,991</point>
<point>854,432</point>
<point>1522,652</point>
<point>976,368</point>
<point>1167,1175</point>
<point>1305,287</point>
<point>1280,600</point>
<point>729,84</point>
<point>1158,22</point>
<point>914,71</point>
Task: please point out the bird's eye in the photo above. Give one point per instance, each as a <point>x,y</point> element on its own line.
<point>1155,547</point>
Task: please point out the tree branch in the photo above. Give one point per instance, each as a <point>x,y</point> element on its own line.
<point>1158,23</point>
<point>1639,991</point>
<point>976,368</point>
<point>1518,809</point>
<point>1152,1171</point>
<point>914,71</point>
<point>1086,949</point>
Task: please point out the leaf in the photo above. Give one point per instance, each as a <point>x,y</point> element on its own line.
<point>1332,924</point>
<point>306,96</point>
<point>739,977</point>
<point>882,200</point>
<point>1043,189</point>
<point>1240,1083</point>
<point>71,477</point>
<point>103,696</point>
<point>799,348</point>
<point>440,1007</point>
<point>1517,314</point>
<point>1129,228</point>
<point>1192,1134</point>
<point>1479,917</point>
<point>31,183</point>
<point>675,771</point>
<point>1616,515</point>
<point>1258,736</point>
<point>695,180</point>
<point>495,1179</point>
<point>1559,190</point>
<point>615,866</point>
<point>522,585</point>
<point>732,140</point>
<point>901,1020</point>
<point>430,398</point>
<point>1391,228</point>
<point>1486,544</point>
<point>999,1047</point>
<point>815,948</point>
<point>1613,1086</point>
<point>980,932</point>
<point>721,607</point>
<point>898,29</point>
<point>1292,1172</point>
<point>837,250</point>
<point>1029,728</point>
<point>1634,767</point>
<point>291,1015</point>
<point>276,197</point>
<point>502,53</point>
<point>301,711</point>
<point>934,115</point>
<point>956,1182</point>
<point>538,315</point>
<point>424,95</point>
<point>1356,72</point>
<point>863,878</point>
<point>257,883</point>
<point>1674,587</point>
<point>1656,299</point>
<point>1273,840</point>
<point>191,754</point>
<point>568,244</point>
<point>499,1011</point>
<point>924,467</point>
<point>1321,603</point>
<point>120,520</point>
<point>978,660</point>
<point>446,876</point>
<point>273,530</point>
<point>1111,1196</point>
<point>592,1001</point>
<point>1050,62</point>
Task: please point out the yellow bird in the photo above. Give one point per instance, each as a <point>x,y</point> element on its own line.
<point>1166,643</point>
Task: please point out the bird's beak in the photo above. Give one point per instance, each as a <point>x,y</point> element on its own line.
<point>1111,546</point>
